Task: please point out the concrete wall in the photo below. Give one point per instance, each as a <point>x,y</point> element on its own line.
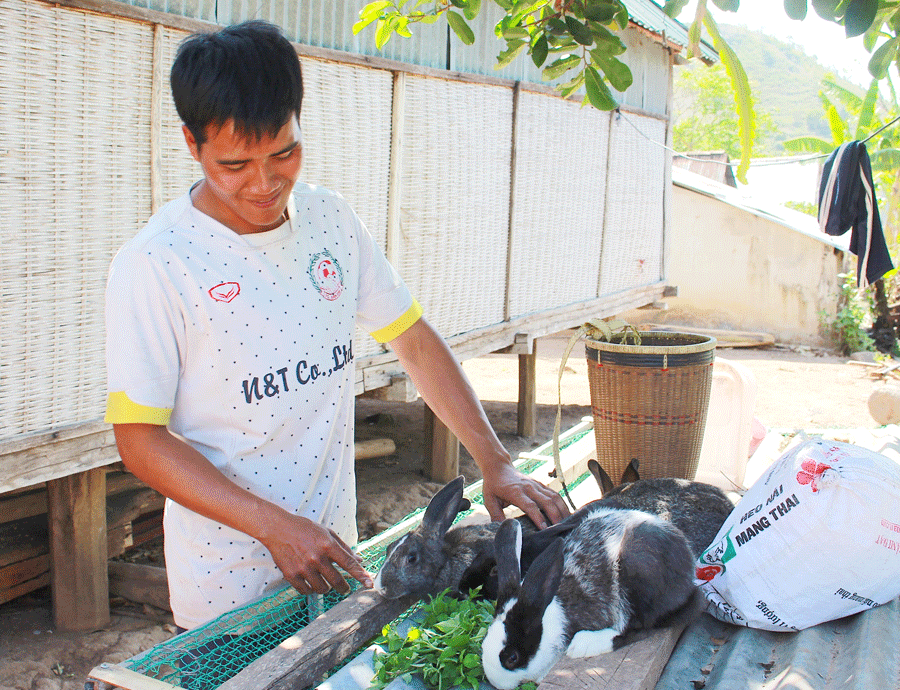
<point>741,268</point>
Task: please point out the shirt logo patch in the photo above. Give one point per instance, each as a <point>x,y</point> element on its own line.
<point>225,292</point>
<point>326,275</point>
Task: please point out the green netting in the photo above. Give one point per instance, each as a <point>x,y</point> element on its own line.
<point>206,657</point>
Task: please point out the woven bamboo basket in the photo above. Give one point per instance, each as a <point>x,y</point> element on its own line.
<point>650,401</point>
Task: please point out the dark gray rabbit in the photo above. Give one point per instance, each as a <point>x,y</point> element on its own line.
<point>434,557</point>
<point>697,509</point>
<point>617,571</point>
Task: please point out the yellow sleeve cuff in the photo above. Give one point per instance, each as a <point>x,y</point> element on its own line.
<point>121,410</point>
<point>391,331</point>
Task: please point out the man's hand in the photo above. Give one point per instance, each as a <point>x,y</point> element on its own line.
<point>306,554</point>
<point>504,485</point>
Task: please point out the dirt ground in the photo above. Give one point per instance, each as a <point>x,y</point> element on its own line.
<point>797,388</point>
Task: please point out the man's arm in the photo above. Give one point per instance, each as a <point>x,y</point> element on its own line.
<point>443,385</point>
<point>304,551</point>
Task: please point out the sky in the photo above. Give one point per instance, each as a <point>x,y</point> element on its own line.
<point>817,37</point>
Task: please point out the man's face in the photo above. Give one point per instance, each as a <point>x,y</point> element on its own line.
<point>246,183</point>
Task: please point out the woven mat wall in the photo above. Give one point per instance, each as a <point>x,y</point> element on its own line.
<point>178,169</point>
<point>346,123</point>
<point>633,241</point>
<point>455,200</point>
<point>74,94</point>
<point>561,158</point>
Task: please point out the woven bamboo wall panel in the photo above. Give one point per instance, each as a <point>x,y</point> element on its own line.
<point>74,96</point>
<point>346,124</point>
<point>633,240</point>
<point>560,183</point>
<point>178,170</point>
<point>455,201</point>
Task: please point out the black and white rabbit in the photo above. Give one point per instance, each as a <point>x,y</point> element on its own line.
<point>696,508</point>
<point>434,557</point>
<point>618,571</point>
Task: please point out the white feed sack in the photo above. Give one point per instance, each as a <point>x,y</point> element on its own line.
<point>816,538</point>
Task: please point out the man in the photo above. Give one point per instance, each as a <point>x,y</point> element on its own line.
<point>229,325</point>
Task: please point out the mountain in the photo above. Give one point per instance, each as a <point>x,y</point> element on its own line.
<point>785,83</point>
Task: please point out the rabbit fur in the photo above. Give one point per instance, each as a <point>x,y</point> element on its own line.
<point>618,571</point>
<point>434,557</point>
<point>699,510</point>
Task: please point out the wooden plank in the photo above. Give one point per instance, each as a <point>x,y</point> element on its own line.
<point>145,584</point>
<point>16,573</point>
<point>374,448</point>
<point>395,171</point>
<point>22,505</point>
<point>109,676</point>
<point>34,459</point>
<point>24,588</point>
<point>23,539</point>
<point>527,404</point>
<point>32,501</point>
<point>158,82</point>
<point>302,659</point>
<point>637,666</point>
<point>441,449</point>
<point>511,227</point>
<point>77,525</point>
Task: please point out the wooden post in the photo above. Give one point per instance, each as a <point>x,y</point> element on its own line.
<point>76,511</point>
<point>441,450</point>
<point>527,420</point>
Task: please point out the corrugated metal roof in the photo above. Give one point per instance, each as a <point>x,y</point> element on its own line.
<point>651,16</point>
<point>795,220</point>
<point>859,652</point>
<point>716,165</point>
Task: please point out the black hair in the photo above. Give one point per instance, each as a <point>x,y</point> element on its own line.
<point>248,72</point>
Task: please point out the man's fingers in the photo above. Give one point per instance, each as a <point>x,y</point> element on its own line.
<point>533,511</point>
<point>493,507</point>
<point>352,563</point>
<point>554,506</point>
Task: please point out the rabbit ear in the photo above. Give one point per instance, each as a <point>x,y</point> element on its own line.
<point>443,508</point>
<point>508,550</point>
<point>481,572</point>
<point>543,577</point>
<point>631,474</point>
<point>534,543</point>
<point>603,480</point>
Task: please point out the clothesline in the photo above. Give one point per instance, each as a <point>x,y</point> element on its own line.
<point>786,161</point>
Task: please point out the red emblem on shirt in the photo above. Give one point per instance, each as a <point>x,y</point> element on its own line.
<point>225,292</point>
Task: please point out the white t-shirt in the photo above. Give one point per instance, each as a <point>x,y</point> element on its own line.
<point>242,345</point>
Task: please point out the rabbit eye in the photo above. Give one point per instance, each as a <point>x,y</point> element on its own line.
<point>412,558</point>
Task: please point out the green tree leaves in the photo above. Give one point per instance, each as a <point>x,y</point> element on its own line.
<point>575,35</point>
<point>460,28</point>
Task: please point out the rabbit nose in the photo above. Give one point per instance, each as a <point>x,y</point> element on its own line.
<point>510,659</point>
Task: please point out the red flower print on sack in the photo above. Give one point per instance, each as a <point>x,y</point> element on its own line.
<point>708,572</point>
<point>810,473</point>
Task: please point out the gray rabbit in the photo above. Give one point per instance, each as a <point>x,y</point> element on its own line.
<point>434,557</point>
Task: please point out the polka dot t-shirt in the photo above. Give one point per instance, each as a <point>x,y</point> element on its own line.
<point>242,344</point>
